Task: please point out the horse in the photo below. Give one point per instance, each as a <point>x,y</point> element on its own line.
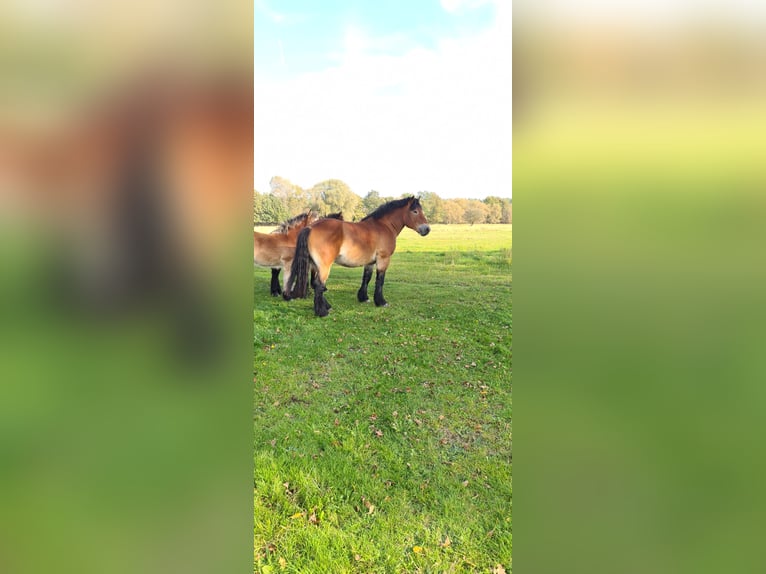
<point>276,249</point>
<point>369,242</point>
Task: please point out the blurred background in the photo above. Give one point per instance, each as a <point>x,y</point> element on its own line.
<point>639,178</point>
<point>125,292</point>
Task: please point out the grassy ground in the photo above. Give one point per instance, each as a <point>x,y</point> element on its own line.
<point>382,436</point>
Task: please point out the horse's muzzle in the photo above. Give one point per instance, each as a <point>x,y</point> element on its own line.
<point>424,229</point>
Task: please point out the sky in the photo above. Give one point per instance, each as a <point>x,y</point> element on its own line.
<point>399,96</point>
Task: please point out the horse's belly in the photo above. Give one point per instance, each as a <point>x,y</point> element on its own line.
<point>263,260</point>
<point>345,261</point>
<point>351,260</point>
<point>272,265</point>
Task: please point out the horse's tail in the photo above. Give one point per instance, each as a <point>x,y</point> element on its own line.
<point>299,271</point>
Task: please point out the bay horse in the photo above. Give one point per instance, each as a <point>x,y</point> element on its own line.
<point>276,249</point>
<point>368,243</point>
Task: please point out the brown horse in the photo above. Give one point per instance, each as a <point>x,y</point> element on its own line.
<point>276,249</point>
<point>369,242</point>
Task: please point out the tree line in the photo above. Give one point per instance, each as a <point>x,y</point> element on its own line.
<point>285,199</point>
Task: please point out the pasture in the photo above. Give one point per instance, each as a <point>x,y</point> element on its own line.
<point>382,436</point>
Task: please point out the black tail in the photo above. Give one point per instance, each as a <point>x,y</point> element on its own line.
<point>299,272</point>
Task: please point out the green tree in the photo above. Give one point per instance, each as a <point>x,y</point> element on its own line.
<point>273,210</point>
<point>433,206</point>
<point>257,206</point>
<point>371,201</point>
<point>335,196</point>
<point>374,200</point>
<point>293,197</point>
<point>494,209</point>
<point>507,216</point>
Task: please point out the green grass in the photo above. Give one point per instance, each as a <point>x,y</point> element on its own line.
<point>382,436</point>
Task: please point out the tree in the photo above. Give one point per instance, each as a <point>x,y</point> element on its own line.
<point>273,210</point>
<point>433,206</point>
<point>507,216</point>
<point>371,201</point>
<point>476,212</point>
<point>453,211</point>
<point>294,199</point>
<point>337,196</point>
<point>494,209</point>
<point>287,199</point>
<point>257,206</point>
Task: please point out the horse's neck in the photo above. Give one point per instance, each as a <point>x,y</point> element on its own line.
<point>399,225</point>
<point>296,228</point>
<point>396,224</point>
<point>293,232</point>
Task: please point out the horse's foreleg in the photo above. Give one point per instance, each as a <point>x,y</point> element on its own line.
<point>276,290</point>
<point>380,276</point>
<point>366,276</point>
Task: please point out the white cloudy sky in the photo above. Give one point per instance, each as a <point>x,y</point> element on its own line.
<point>413,97</point>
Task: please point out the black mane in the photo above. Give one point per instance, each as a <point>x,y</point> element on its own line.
<point>387,208</point>
<point>292,222</point>
<point>338,215</point>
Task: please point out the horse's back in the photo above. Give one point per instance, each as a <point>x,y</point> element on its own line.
<point>328,231</point>
<point>346,243</point>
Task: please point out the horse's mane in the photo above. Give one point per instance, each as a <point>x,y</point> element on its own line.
<point>292,222</point>
<point>387,208</point>
<point>338,215</point>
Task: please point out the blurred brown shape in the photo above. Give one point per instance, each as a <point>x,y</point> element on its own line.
<point>145,181</point>
<point>631,60</point>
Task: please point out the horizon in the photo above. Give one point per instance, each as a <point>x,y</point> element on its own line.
<point>384,195</point>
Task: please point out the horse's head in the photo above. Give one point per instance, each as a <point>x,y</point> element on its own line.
<point>415,218</point>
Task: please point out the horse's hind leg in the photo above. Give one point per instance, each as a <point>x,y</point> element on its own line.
<point>321,306</point>
<point>380,277</point>
<point>314,282</point>
<point>276,290</point>
<point>366,276</point>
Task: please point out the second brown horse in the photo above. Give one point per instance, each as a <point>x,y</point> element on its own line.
<point>276,249</point>
<point>369,242</point>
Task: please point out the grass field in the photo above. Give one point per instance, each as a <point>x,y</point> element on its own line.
<point>382,436</point>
